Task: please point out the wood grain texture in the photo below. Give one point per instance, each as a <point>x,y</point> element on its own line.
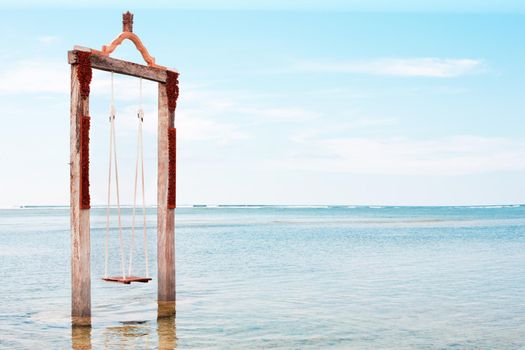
<point>80,240</point>
<point>109,64</point>
<point>165,216</point>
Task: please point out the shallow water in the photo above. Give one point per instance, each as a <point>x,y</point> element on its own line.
<point>279,277</point>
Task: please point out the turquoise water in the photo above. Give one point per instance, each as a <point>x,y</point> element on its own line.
<point>282,278</point>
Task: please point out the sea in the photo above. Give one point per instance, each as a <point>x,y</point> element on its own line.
<point>276,277</point>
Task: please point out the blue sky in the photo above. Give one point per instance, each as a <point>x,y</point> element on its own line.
<point>281,103</point>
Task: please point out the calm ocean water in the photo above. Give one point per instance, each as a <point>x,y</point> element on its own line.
<point>284,278</point>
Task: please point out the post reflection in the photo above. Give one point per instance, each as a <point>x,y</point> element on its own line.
<point>81,337</point>
<point>128,335</point>
<point>166,332</point>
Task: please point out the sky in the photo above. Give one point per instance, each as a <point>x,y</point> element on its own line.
<point>298,102</point>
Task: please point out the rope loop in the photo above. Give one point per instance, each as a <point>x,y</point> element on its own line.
<point>113,163</point>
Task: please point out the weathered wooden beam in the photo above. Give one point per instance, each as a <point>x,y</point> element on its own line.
<point>109,64</point>
<point>80,240</point>
<point>165,216</point>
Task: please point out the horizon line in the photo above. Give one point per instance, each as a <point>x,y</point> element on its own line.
<point>320,206</point>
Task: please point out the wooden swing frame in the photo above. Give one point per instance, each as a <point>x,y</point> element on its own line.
<point>82,61</point>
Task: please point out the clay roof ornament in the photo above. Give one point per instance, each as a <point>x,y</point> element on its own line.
<point>127,33</point>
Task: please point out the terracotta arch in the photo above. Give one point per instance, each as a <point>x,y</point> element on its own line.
<point>127,33</point>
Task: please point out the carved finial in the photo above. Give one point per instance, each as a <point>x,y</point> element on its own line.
<point>127,22</point>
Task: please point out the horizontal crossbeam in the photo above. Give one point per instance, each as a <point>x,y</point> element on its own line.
<point>109,64</point>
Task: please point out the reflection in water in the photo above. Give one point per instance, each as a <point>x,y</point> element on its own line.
<point>81,337</point>
<point>129,335</point>
<point>167,333</point>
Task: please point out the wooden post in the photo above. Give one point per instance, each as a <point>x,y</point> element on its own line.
<point>80,244</point>
<point>165,216</point>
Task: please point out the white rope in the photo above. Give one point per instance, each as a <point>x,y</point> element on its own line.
<point>108,208</point>
<point>144,233</point>
<point>132,246</point>
<point>144,227</point>
<point>118,201</point>
<point>140,155</point>
<point>106,257</point>
<point>113,154</point>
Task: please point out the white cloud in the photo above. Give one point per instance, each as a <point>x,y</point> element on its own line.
<point>40,76</point>
<point>225,116</point>
<point>201,118</point>
<point>47,39</point>
<point>245,107</point>
<point>446,156</point>
<point>403,67</point>
<point>364,124</point>
<point>191,125</point>
<point>125,88</point>
<point>277,114</point>
<point>35,77</point>
<point>199,129</point>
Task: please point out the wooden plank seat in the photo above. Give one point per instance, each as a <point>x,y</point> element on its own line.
<point>127,280</point>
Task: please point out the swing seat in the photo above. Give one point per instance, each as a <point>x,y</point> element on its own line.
<point>127,279</point>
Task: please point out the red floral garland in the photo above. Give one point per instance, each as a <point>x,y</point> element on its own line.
<point>172,154</point>
<point>84,72</point>
<point>85,199</point>
<point>172,89</point>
